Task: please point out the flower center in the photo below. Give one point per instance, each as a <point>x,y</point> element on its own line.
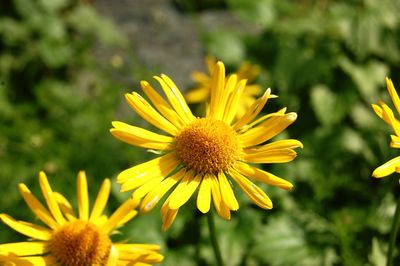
<point>80,243</point>
<point>207,145</point>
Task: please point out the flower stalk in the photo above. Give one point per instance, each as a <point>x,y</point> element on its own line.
<point>393,233</point>
<point>213,238</point>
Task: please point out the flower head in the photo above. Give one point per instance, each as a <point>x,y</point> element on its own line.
<point>71,240</point>
<point>204,154</point>
<point>386,114</point>
<point>201,93</point>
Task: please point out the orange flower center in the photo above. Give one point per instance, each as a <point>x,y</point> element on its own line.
<point>80,243</point>
<point>207,145</point>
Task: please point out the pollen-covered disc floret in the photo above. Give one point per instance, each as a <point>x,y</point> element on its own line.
<point>80,243</point>
<point>207,145</point>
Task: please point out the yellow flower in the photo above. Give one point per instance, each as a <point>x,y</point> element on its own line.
<point>70,240</point>
<point>204,153</point>
<point>386,114</point>
<point>202,92</point>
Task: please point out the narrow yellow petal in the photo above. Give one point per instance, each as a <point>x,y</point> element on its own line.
<point>50,199</point>
<point>256,194</point>
<point>140,248</point>
<point>395,143</point>
<point>267,130</point>
<point>137,136</point>
<point>101,200</point>
<point>161,105</point>
<point>38,209</point>
<point>393,94</point>
<point>65,206</point>
<point>387,168</point>
<point>378,110</point>
<point>227,194</point>
<point>220,206</point>
<point>147,112</point>
<point>262,176</point>
<point>217,87</point>
<point>144,189</point>
<point>184,190</point>
<point>83,196</point>
<point>123,210</point>
<point>198,95</point>
<point>24,248</point>
<point>276,145</point>
<point>136,176</point>
<point>112,256</point>
<point>28,229</point>
<point>34,260</point>
<point>390,118</point>
<point>270,156</point>
<point>261,119</point>
<point>155,195</point>
<point>204,196</point>
<point>233,103</point>
<point>254,110</point>
<point>175,98</point>
<point>168,215</point>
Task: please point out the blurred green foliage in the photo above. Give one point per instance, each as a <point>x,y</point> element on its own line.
<point>327,60</point>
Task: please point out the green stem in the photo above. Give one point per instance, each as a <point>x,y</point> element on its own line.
<point>393,233</point>
<point>213,238</point>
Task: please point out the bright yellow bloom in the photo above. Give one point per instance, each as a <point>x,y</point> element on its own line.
<point>70,240</point>
<point>204,153</point>
<point>202,92</point>
<point>386,114</point>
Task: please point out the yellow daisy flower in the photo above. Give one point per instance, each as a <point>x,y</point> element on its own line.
<point>246,71</point>
<point>71,240</point>
<point>204,153</point>
<point>386,114</point>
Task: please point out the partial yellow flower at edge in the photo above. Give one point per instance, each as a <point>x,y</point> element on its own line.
<point>69,239</point>
<point>387,115</point>
<point>204,154</point>
<point>201,93</point>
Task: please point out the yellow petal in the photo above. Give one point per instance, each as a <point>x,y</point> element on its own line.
<point>256,194</point>
<point>147,112</point>
<point>253,111</point>
<point>261,119</point>
<point>38,209</point>
<point>267,130</point>
<point>112,256</point>
<point>198,95</point>
<point>184,190</point>
<point>123,210</point>
<point>270,156</point>
<point>50,199</point>
<point>388,116</point>
<point>387,168</point>
<point>217,87</point>
<point>262,176</point>
<point>28,229</point>
<point>168,215</point>
<point>101,200</point>
<point>34,260</point>
<point>276,145</point>
<point>175,98</point>
<point>378,110</point>
<point>144,189</point>
<point>204,196</point>
<point>233,103</point>
<point>219,204</point>
<point>138,175</point>
<point>83,196</point>
<point>24,248</point>
<point>154,196</point>
<point>161,105</point>
<point>395,143</point>
<point>227,194</point>
<point>137,136</point>
<point>393,94</point>
<point>65,206</point>
<point>140,248</point>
